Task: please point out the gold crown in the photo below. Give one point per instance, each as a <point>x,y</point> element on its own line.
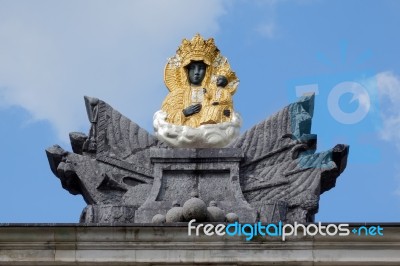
<point>197,49</point>
<point>226,71</point>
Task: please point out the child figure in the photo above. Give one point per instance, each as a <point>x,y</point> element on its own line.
<point>218,104</point>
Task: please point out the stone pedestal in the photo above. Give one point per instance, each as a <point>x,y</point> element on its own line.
<point>211,173</point>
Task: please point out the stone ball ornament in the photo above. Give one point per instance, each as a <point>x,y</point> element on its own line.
<point>215,214</point>
<point>195,208</point>
<point>158,219</point>
<point>232,217</point>
<point>175,214</point>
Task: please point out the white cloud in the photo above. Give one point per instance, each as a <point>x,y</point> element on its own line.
<point>389,94</point>
<point>52,53</point>
<point>384,88</point>
<point>361,95</point>
<point>267,30</point>
<point>383,99</point>
<point>389,86</point>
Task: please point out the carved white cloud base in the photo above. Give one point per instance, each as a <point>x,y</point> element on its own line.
<point>205,136</point>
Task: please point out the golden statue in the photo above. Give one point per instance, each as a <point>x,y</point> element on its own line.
<point>198,110</point>
<point>218,104</point>
<point>191,76</point>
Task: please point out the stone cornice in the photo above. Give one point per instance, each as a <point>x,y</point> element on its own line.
<point>70,244</point>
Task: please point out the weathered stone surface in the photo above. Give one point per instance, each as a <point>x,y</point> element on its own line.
<point>271,173</point>
<point>211,173</point>
<point>108,214</point>
<point>195,208</point>
<point>77,139</point>
<point>159,219</point>
<point>280,164</point>
<point>175,215</point>
<point>171,245</point>
<point>111,167</point>
<point>215,214</point>
<point>231,217</point>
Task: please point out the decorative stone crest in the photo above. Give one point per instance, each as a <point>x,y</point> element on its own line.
<point>270,173</point>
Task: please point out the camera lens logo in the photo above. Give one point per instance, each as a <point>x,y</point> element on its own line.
<point>359,93</point>
<point>346,105</point>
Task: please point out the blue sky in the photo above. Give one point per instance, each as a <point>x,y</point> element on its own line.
<point>52,53</point>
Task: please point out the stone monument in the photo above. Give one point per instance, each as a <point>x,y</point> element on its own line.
<point>196,166</point>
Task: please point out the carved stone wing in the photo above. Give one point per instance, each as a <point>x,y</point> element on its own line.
<point>112,164</point>
<point>280,167</point>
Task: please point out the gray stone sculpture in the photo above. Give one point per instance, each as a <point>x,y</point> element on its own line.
<point>271,173</point>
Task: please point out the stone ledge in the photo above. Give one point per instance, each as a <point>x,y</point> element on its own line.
<point>191,155</point>
<point>170,245</point>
